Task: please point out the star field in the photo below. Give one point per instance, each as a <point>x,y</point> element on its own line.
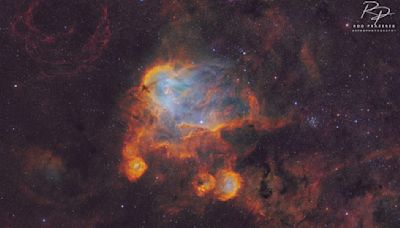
<point>214,113</point>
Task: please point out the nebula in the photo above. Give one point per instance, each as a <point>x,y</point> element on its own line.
<point>228,185</point>
<point>211,113</point>
<point>65,52</point>
<point>192,112</point>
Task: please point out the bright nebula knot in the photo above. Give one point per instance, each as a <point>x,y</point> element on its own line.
<point>203,184</point>
<point>134,168</point>
<point>228,185</point>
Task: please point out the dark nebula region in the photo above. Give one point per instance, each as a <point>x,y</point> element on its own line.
<point>202,113</point>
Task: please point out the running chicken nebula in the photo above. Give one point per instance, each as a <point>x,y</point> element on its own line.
<point>198,113</point>
<point>186,111</point>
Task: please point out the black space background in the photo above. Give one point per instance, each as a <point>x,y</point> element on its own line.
<point>77,114</point>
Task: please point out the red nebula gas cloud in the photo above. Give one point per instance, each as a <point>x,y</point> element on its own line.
<point>191,113</point>
<point>65,52</point>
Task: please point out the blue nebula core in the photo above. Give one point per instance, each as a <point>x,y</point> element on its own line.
<point>228,186</point>
<point>201,95</point>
